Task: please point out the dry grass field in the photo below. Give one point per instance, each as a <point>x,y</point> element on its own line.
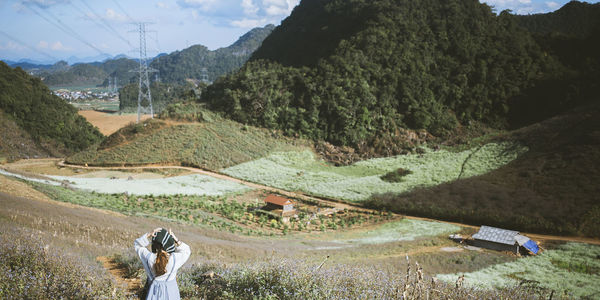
<point>109,123</point>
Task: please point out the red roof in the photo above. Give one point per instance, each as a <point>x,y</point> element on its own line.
<point>278,200</point>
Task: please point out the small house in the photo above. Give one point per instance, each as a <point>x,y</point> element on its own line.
<point>502,240</point>
<point>280,205</point>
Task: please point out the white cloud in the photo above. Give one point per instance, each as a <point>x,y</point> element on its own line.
<point>249,7</point>
<point>524,6</point>
<point>204,5</point>
<point>10,45</point>
<point>112,15</point>
<point>552,5</point>
<point>56,46</point>
<point>279,7</point>
<point>162,5</point>
<point>42,3</point>
<point>248,23</point>
<point>238,13</point>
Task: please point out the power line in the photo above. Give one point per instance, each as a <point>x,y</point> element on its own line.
<point>104,24</point>
<point>66,29</point>
<point>27,46</point>
<point>126,14</point>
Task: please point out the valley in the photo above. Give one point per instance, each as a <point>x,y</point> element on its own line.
<point>358,149</point>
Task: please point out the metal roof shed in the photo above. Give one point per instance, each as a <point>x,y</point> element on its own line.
<point>496,239</point>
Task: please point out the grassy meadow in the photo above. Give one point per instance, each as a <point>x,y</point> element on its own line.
<point>572,270</point>
<point>211,145</point>
<point>303,171</point>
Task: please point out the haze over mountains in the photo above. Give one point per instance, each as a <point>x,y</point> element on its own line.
<point>174,67</point>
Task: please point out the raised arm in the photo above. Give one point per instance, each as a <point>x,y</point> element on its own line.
<point>140,245</point>
<point>182,253</point>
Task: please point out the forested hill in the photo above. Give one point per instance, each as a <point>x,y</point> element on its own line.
<point>53,124</point>
<point>575,19</point>
<point>189,63</point>
<point>572,35</point>
<point>352,72</point>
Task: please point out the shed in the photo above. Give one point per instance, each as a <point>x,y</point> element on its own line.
<point>276,203</point>
<point>502,240</point>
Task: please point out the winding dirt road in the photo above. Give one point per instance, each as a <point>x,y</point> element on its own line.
<point>336,204</point>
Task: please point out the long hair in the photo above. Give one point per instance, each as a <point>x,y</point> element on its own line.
<point>162,258</point>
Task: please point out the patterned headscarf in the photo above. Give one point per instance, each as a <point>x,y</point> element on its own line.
<point>167,241</point>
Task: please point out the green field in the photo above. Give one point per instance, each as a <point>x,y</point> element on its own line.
<point>302,171</point>
<point>572,269</point>
<point>211,145</point>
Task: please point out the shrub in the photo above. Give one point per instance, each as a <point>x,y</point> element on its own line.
<point>396,175</point>
<point>31,270</point>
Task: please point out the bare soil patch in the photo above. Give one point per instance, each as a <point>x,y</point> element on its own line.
<point>133,285</point>
<point>109,123</point>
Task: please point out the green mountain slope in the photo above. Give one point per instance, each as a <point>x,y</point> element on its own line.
<point>213,143</point>
<point>189,63</point>
<point>16,143</point>
<point>577,19</point>
<point>553,188</point>
<point>53,124</point>
<point>572,35</point>
<point>80,74</point>
<point>353,72</point>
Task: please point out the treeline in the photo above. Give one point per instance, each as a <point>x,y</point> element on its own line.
<point>162,93</point>
<point>572,35</point>
<point>51,122</point>
<point>354,72</point>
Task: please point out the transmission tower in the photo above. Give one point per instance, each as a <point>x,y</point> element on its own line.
<point>204,76</point>
<point>144,82</point>
<point>115,88</point>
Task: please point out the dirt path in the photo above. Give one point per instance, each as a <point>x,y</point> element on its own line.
<point>133,284</point>
<point>301,196</point>
<point>336,205</point>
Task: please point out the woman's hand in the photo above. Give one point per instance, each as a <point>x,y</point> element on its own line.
<point>174,237</point>
<point>153,234</point>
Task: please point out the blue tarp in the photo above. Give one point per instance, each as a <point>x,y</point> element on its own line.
<point>531,246</point>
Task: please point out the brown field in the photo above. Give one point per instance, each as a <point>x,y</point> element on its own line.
<point>108,123</point>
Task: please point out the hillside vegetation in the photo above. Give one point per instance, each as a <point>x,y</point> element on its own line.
<point>189,63</point>
<point>214,143</point>
<point>553,188</point>
<point>53,124</point>
<point>353,72</point>
<point>16,143</point>
<point>79,74</point>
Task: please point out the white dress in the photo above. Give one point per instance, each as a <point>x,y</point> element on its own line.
<point>165,285</point>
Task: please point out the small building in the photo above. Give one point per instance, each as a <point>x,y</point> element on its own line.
<point>502,240</point>
<point>279,205</point>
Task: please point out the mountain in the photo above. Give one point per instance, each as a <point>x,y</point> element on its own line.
<point>572,35</point>
<point>190,62</point>
<point>79,74</point>
<point>49,122</point>
<point>356,72</point>
<point>553,188</point>
<point>78,60</point>
<point>576,19</point>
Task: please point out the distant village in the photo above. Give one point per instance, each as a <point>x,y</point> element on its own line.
<point>72,96</point>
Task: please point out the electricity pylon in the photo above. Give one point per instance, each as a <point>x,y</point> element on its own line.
<point>144,82</point>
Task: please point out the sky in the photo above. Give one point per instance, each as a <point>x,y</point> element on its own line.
<point>51,30</point>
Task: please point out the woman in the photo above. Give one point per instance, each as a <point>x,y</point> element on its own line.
<point>167,256</point>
